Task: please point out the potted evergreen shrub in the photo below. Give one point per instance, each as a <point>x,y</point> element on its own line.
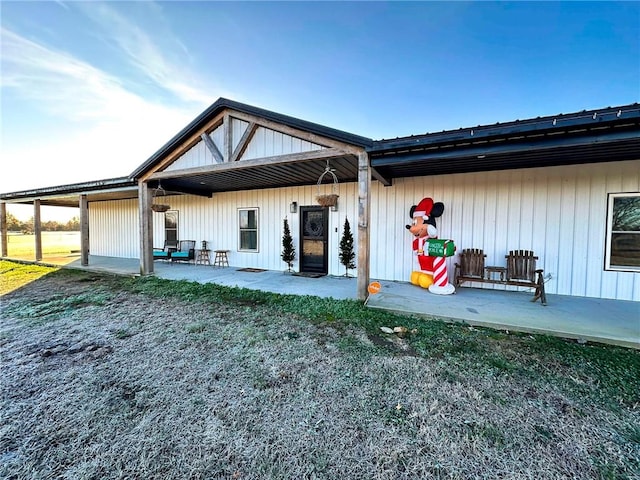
<point>288,254</point>
<point>347,255</point>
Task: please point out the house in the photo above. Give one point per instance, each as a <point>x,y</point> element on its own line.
<point>557,185</point>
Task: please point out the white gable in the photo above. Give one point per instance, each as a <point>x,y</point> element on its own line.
<point>197,156</point>
<point>265,142</point>
<point>268,143</point>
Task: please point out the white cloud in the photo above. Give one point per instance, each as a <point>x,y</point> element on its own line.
<point>108,129</point>
<point>163,58</point>
<point>58,82</point>
<point>111,131</point>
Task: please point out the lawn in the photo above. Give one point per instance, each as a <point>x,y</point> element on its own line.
<point>113,377</point>
<point>53,243</point>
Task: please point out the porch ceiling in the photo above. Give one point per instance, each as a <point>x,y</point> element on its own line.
<point>264,176</point>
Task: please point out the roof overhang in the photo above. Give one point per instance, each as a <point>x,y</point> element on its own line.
<point>69,195</point>
<point>608,135</point>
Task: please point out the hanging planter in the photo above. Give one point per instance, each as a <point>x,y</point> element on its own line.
<point>331,199</point>
<point>156,206</point>
<point>160,208</point>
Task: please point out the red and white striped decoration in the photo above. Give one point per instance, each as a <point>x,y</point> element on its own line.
<point>441,285</point>
<point>440,276</point>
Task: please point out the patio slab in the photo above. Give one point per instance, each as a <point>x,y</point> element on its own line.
<point>587,319</point>
<point>614,322</point>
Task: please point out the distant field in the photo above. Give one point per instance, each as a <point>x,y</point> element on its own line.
<point>53,243</point>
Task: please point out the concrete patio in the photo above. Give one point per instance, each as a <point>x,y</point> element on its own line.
<point>586,319</point>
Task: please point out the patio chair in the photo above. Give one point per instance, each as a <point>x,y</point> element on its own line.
<point>164,253</point>
<point>522,271</point>
<point>186,251</point>
<point>471,266</point>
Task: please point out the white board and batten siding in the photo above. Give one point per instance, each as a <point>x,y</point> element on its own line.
<point>265,143</point>
<point>216,221</point>
<point>113,228</point>
<point>114,224</point>
<point>558,212</point>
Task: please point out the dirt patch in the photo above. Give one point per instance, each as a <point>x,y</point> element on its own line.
<point>116,384</point>
<point>393,344</point>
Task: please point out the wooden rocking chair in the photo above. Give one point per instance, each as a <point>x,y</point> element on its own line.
<point>520,271</point>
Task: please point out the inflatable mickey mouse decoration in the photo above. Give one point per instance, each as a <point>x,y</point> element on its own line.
<point>431,252</point>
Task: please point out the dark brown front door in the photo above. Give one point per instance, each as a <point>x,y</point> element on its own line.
<point>314,234</point>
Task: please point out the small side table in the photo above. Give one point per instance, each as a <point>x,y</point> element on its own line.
<point>491,270</point>
<point>203,257</point>
<point>221,259</point>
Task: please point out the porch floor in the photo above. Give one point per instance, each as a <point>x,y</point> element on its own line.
<point>606,321</point>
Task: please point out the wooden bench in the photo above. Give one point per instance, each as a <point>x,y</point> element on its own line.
<point>520,271</point>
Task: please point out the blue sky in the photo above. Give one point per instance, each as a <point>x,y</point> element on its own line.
<point>89,90</point>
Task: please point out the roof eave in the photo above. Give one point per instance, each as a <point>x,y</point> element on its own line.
<point>72,188</point>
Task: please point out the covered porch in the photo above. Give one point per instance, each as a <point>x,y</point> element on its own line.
<point>615,322</point>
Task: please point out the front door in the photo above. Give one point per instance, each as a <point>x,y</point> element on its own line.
<point>314,234</point>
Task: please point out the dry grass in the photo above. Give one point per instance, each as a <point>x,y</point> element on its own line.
<point>53,243</point>
<point>100,381</point>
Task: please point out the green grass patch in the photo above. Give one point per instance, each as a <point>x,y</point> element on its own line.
<point>15,275</point>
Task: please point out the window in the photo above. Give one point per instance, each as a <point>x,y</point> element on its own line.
<point>248,222</point>
<point>623,232</point>
<point>171,228</point>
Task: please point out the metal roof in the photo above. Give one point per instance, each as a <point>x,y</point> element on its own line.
<point>604,135</point>
<point>67,195</point>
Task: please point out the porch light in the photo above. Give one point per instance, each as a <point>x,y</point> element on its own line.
<point>334,207</point>
<point>293,208</point>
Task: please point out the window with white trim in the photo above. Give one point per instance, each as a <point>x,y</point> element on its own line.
<point>248,229</point>
<point>622,250</point>
<point>171,228</point>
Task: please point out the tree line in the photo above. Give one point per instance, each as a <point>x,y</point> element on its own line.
<point>26,227</point>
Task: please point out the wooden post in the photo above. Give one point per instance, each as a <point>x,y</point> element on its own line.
<point>364,216</point>
<point>37,229</point>
<point>84,231</point>
<point>3,228</point>
<point>228,137</point>
<point>146,228</point>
